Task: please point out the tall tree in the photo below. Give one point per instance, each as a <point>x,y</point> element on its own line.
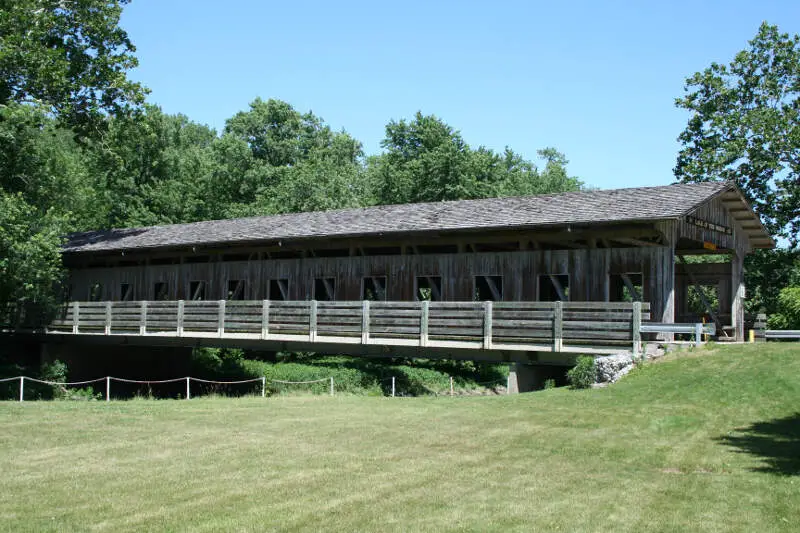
<point>426,160</point>
<point>745,127</point>
<point>274,159</point>
<point>70,55</point>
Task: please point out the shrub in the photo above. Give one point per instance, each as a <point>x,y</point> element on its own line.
<point>549,384</point>
<point>788,315</point>
<point>583,374</point>
<point>56,372</point>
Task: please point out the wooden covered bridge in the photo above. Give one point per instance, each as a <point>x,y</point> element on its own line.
<point>526,279</point>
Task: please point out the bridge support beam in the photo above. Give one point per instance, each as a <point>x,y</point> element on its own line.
<point>523,377</point>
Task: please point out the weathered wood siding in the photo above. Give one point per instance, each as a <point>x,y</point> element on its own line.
<point>588,271</point>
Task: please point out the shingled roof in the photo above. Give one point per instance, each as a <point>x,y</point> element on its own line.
<point>596,206</point>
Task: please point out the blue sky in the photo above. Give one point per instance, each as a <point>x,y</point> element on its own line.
<point>597,80</point>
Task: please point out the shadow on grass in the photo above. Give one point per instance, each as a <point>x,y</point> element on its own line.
<point>776,442</point>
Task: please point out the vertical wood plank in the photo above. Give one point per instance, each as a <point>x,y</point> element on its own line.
<point>76,311</point>
<point>423,323</point>
<point>558,325</point>
<point>365,322</point>
<point>487,325</point>
<point>143,317</point>
<point>181,306</point>
<point>312,322</point>
<point>221,318</point>
<point>108,318</point>
<point>636,328</point>
<point>264,319</point>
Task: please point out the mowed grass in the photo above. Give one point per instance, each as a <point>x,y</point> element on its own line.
<point>706,441</point>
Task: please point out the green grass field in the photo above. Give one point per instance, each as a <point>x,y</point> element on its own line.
<point>706,441</point>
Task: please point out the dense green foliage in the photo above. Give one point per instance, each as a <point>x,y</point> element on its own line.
<point>745,127</point>
<point>584,374</point>
<point>788,315</point>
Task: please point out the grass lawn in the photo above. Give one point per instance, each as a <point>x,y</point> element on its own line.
<point>706,441</point>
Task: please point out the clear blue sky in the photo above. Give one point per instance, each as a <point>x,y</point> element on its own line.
<point>597,80</point>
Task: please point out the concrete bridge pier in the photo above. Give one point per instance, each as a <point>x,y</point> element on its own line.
<point>526,377</point>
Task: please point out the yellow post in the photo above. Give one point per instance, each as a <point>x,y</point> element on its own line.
<point>752,335</point>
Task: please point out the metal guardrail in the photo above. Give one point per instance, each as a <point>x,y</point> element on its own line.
<point>698,329</point>
<point>782,334</point>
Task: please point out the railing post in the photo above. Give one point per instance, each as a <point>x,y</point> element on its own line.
<point>181,306</point>
<point>331,385</point>
<point>21,388</point>
<point>636,328</point>
<point>558,325</point>
<point>698,333</point>
<point>423,323</point>
<point>264,319</point>
<point>487,325</point>
<point>393,386</point>
<point>312,322</point>
<point>452,389</point>
<point>221,319</point>
<point>143,318</point>
<point>108,388</point>
<point>76,311</point>
<point>188,392</point>
<point>108,318</point>
<point>365,322</point>
<point>263,386</point>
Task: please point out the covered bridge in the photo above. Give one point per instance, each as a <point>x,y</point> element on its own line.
<point>587,246</point>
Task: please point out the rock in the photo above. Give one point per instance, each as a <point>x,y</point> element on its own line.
<point>653,350</point>
<point>610,368</point>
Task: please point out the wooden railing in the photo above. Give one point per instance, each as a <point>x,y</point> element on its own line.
<point>581,327</point>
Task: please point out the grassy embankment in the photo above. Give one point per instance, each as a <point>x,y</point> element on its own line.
<point>709,443</point>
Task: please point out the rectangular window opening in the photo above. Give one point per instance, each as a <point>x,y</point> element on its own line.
<point>161,291</point>
<point>553,287</point>
<point>428,288</point>
<point>626,287</point>
<point>236,289</point>
<point>278,290</point>
<point>197,290</point>
<point>125,292</point>
<point>488,288</point>
<point>373,288</point>
<point>325,289</point>
<point>95,292</point>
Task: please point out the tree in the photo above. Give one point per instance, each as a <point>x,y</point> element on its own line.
<point>426,160</point>
<point>745,127</point>
<point>70,55</point>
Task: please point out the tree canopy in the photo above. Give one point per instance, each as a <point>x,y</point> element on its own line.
<point>745,127</point>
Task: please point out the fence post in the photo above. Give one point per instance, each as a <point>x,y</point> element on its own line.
<point>76,309</point>
<point>21,388</point>
<point>558,325</point>
<point>188,393</point>
<point>181,305</point>
<point>423,323</point>
<point>452,391</point>
<point>365,322</point>
<point>761,327</point>
<point>636,328</point>
<point>264,319</point>
<point>698,333</point>
<point>331,385</point>
<point>108,318</point>
<point>312,322</point>
<point>143,318</point>
<point>221,318</point>
<point>487,325</point>
<point>108,388</point>
<point>393,389</point>
<point>263,386</point>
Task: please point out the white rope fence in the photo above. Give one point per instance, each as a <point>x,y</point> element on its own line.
<point>187,380</point>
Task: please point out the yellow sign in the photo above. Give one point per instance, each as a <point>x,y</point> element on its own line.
<point>709,245</point>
